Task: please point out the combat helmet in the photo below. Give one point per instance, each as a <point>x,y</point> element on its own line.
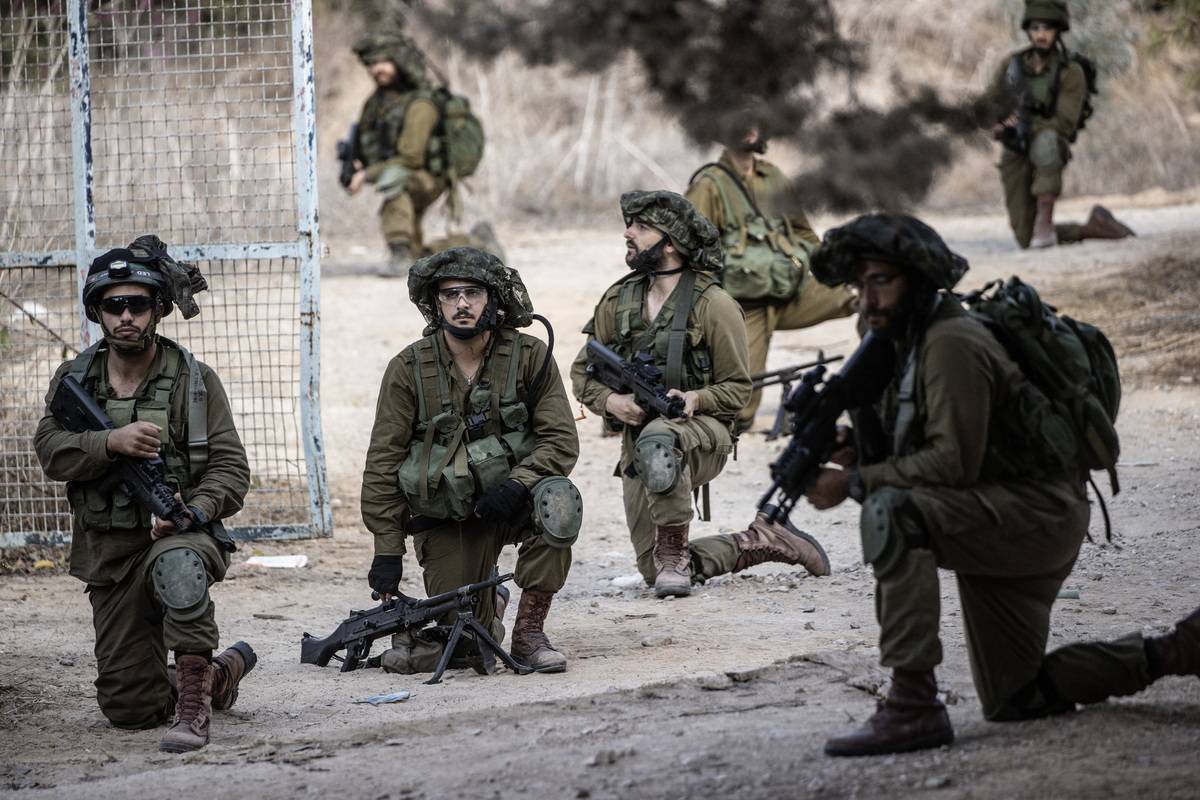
<point>893,238</point>
<point>1053,11</point>
<point>696,239</point>
<point>509,305</point>
<point>397,48</point>
<point>146,262</point>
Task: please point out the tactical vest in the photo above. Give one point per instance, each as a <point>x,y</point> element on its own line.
<point>382,121</point>
<point>765,259</point>
<point>98,504</point>
<point>685,356</point>
<point>454,460</point>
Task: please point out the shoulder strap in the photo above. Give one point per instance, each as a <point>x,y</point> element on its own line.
<point>738,181</point>
<point>678,335</point>
<point>82,363</point>
<point>197,411</point>
<point>629,303</point>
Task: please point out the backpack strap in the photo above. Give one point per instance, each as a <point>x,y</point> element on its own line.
<point>629,303</point>
<point>197,407</point>
<point>678,335</point>
<point>82,363</point>
<point>737,182</point>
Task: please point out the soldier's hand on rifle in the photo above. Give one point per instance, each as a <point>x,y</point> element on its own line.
<point>164,527</point>
<point>844,455</point>
<point>137,440</point>
<point>690,401</point>
<point>624,408</point>
<point>831,488</point>
<point>356,182</point>
<point>384,575</point>
<point>999,128</point>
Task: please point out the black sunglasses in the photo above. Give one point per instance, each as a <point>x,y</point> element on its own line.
<point>136,303</point>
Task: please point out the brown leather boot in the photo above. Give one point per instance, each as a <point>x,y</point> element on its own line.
<point>779,541</point>
<point>1101,224</point>
<point>228,670</point>
<point>529,642</point>
<point>193,709</point>
<point>1043,223</point>
<point>672,562</point>
<point>1177,653</point>
<point>911,718</point>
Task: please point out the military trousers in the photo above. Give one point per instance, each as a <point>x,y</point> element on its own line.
<point>400,216</point>
<point>459,553</point>
<point>814,303</point>
<point>1025,177</point>
<point>703,445</point>
<point>134,631</point>
<point>1011,546</point>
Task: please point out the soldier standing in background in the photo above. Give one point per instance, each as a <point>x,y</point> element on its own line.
<point>766,251</point>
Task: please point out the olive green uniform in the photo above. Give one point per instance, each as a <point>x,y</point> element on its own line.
<point>1025,177</point>
<point>714,365</point>
<point>395,129</point>
<point>960,497</point>
<point>111,548</point>
<point>454,553</point>
<point>716,196</point>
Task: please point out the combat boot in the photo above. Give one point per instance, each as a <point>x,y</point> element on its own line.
<point>529,643</point>
<point>400,259</point>
<point>672,562</point>
<point>193,708</point>
<point>1043,223</point>
<point>911,718</point>
<point>781,542</point>
<point>1177,653</point>
<point>1101,224</point>
<point>228,670</point>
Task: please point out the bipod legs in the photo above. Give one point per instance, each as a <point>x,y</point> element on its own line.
<point>489,648</point>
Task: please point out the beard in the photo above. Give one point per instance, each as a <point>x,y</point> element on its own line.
<point>648,260</point>
<point>129,346</point>
<point>758,146</point>
<point>1043,52</point>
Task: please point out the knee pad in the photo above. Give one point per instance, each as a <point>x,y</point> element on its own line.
<point>657,461</point>
<point>1044,150</point>
<point>887,529</point>
<point>557,511</point>
<point>181,583</point>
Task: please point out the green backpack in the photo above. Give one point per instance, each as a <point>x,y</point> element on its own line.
<point>456,147</point>
<point>1071,362</point>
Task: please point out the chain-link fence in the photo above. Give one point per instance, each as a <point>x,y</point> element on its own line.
<point>193,120</point>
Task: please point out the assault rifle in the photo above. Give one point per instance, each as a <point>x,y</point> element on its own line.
<point>639,377</point>
<point>143,479</point>
<point>815,406</point>
<point>356,634</point>
<point>1018,94</point>
<point>347,153</point>
<point>785,378</point>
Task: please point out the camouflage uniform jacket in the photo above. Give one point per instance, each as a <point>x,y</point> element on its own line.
<point>103,556</point>
<point>384,505</point>
<point>395,128</point>
<point>1072,91</point>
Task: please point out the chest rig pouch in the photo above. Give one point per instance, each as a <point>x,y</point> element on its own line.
<point>668,338</point>
<point>456,458</point>
<point>101,504</point>
<point>382,122</point>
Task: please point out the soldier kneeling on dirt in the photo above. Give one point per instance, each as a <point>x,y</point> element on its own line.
<point>970,485</point>
<point>148,578</point>
<point>472,433</point>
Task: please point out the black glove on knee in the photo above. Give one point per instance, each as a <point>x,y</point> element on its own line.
<point>385,573</point>
<point>502,503</point>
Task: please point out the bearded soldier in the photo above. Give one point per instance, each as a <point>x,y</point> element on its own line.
<point>1040,94</point>
<point>671,309</point>
<point>393,143</point>
<point>766,251</point>
<point>472,432</point>
<point>965,486</point>
<point>148,579</point>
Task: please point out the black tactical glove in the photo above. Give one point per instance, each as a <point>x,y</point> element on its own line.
<point>384,576</point>
<point>502,503</point>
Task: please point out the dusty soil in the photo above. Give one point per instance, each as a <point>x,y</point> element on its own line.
<point>729,692</point>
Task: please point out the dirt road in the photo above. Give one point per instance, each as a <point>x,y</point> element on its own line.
<point>729,692</point>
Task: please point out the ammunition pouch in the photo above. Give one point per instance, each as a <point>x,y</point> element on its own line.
<point>392,181</point>
<point>888,528</point>
<point>557,511</point>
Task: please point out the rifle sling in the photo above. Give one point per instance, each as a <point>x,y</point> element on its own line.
<point>678,335</point>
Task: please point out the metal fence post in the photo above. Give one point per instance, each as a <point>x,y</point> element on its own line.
<point>81,152</point>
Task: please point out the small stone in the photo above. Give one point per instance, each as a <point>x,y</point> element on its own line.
<point>66,661</point>
<point>854,626</point>
<point>583,793</point>
<point>808,626</point>
<point>808,609</point>
<point>1108,610</point>
<point>936,782</point>
<point>657,640</point>
<point>714,682</point>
